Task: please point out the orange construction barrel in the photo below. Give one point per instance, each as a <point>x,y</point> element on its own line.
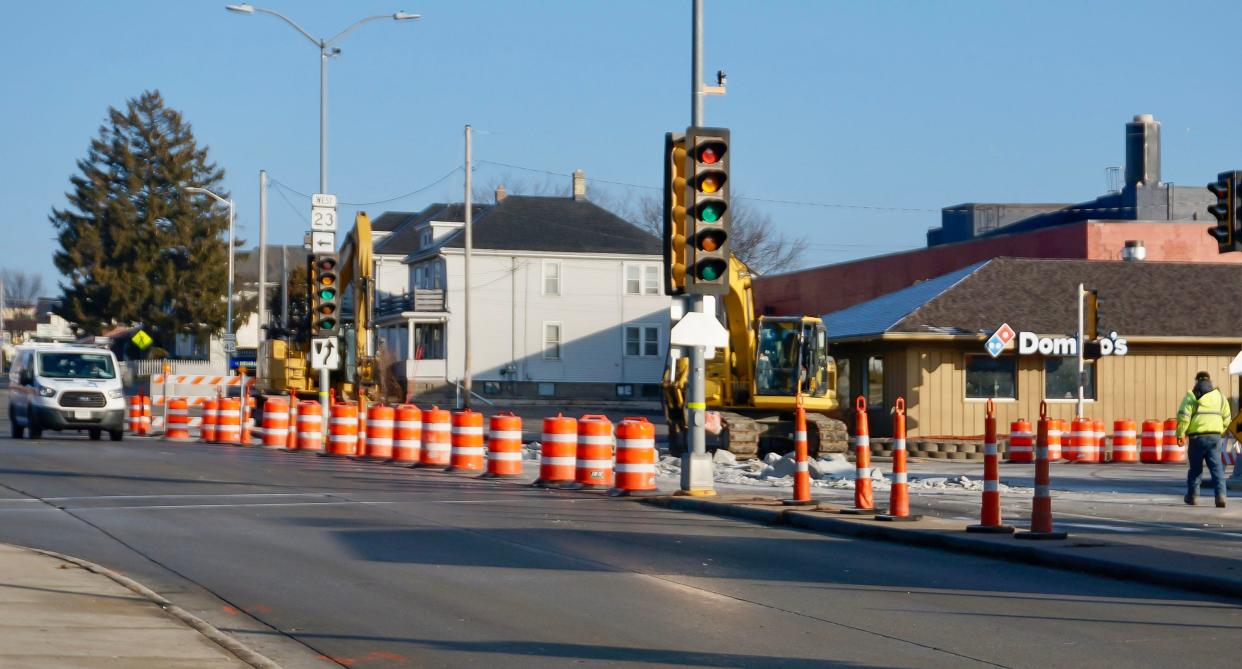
<point>1125,441</point>
<point>594,466</point>
<point>178,428</point>
<point>379,432</point>
<point>407,444</point>
<point>467,442</point>
<point>558,452</point>
<point>310,426</point>
<point>228,421</point>
<point>343,430</point>
<point>1021,441</point>
<point>437,437</point>
<point>504,446</point>
<point>1151,441</point>
<point>1169,450</point>
<point>636,458</point>
<point>275,423</point>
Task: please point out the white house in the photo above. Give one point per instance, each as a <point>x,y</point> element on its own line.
<point>566,299</point>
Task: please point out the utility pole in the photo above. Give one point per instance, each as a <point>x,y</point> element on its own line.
<point>262,256</point>
<point>697,475</point>
<point>467,378</point>
<point>1081,360</point>
<point>284,288</point>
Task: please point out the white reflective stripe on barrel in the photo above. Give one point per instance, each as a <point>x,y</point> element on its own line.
<point>373,423</point>
<point>468,430</point>
<point>636,443</point>
<point>560,437</point>
<point>595,464</point>
<point>504,455</point>
<point>899,477</point>
<point>628,468</point>
<point>557,462</point>
<point>467,450</point>
<point>408,424</point>
<point>899,444</point>
<point>804,466</point>
<point>511,435</point>
<point>436,427</point>
<point>595,440</point>
<point>1125,433</point>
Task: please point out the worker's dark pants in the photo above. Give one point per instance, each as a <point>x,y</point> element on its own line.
<point>1205,447</point>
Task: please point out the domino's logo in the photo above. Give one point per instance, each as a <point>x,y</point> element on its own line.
<point>996,344</point>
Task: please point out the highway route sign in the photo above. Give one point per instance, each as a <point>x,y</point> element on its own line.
<point>230,343</point>
<point>323,242</point>
<point>323,212</point>
<point>325,353</point>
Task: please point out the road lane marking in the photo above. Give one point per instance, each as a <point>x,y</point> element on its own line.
<point>184,496</point>
<point>80,509</point>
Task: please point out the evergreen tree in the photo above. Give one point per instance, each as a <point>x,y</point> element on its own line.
<point>135,247</point>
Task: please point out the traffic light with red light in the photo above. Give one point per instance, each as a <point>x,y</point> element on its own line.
<point>707,211</point>
<point>325,295</point>
<point>674,213</point>
<point>1228,189</point>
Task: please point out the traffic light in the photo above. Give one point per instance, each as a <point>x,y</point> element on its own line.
<point>325,295</point>
<point>1227,189</point>
<point>1091,315</point>
<point>674,213</point>
<point>707,210</point>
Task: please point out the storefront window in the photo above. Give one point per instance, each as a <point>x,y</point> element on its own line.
<point>875,383</point>
<point>1061,379</point>
<point>988,377</point>
<point>843,383</point>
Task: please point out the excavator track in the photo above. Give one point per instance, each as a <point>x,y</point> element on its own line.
<point>750,437</point>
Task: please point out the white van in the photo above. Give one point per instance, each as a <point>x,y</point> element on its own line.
<point>66,387</point>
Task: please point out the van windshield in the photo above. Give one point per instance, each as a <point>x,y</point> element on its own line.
<point>76,366</point>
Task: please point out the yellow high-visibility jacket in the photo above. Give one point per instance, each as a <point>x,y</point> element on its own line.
<point>1209,413</point>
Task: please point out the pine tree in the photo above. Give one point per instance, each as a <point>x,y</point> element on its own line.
<point>135,247</point>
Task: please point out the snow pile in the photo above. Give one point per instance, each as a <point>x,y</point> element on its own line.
<point>531,451</point>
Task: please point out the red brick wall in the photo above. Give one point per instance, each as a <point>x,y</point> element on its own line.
<point>821,290</point>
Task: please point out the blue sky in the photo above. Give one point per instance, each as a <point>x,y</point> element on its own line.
<point>909,105</point>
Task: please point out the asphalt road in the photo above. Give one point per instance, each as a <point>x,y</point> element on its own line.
<point>306,558</point>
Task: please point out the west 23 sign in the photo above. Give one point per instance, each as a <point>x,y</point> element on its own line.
<point>1029,343</point>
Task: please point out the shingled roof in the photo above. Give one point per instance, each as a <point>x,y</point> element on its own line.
<point>1159,299</point>
<point>556,225</point>
<point>404,239</point>
<point>390,220</point>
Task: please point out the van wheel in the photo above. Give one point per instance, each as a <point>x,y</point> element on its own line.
<point>36,430</point>
<point>95,434</point>
<point>115,435</point>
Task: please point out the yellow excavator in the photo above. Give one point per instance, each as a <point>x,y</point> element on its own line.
<point>283,363</point>
<point>753,383</point>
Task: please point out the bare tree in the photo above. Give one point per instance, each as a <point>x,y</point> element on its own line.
<point>753,239</point>
<point>21,288</point>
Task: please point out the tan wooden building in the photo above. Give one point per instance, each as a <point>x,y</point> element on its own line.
<point>928,343</point>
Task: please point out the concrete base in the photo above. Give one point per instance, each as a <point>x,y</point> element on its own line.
<point>1042,536</point>
<point>908,518</point>
<point>697,474</point>
<point>799,502</point>
<point>618,492</point>
<point>695,493</point>
<point>990,529</point>
<point>553,485</point>
<point>855,511</point>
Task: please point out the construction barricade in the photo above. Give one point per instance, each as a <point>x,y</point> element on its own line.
<point>635,470</point>
<point>146,415</point>
<point>990,511</point>
<point>1021,442</point>
<point>466,440</point>
<point>558,452</point>
<point>802,471</point>
<point>275,423</point>
<point>437,437</point>
<point>310,427</point>
<point>342,430</point>
<point>504,446</point>
<point>1058,434</point>
<point>178,428</point>
<point>1041,503</point>
<point>1081,437</point>
<point>864,499</point>
<point>899,492</point>
<point>1151,441</point>
<point>1125,441</point>
<point>594,468</point>
<point>228,421</point>
<point>291,438</point>
<point>407,444</point>
<point>1170,450</point>
<point>135,414</point>
<point>379,425</point>
<point>211,416</point>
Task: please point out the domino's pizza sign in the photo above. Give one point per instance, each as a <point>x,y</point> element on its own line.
<point>996,344</point>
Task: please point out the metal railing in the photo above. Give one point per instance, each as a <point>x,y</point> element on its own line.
<point>422,299</point>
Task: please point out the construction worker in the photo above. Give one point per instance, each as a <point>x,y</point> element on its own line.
<point>1203,416</point>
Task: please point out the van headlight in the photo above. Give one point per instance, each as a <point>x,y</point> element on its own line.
<point>47,392</point>
<point>116,393</point>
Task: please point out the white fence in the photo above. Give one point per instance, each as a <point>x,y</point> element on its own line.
<point>139,368</point>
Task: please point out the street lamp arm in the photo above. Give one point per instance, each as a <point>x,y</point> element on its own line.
<point>343,33</point>
<point>284,18</point>
<point>204,191</point>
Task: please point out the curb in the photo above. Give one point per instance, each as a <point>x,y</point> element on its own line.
<point>947,540</point>
<point>238,649</point>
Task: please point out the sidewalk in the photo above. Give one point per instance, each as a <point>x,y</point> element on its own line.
<point>67,613</point>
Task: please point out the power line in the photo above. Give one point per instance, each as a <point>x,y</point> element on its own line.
<point>394,198</point>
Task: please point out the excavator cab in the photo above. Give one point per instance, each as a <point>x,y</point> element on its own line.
<point>792,354</point>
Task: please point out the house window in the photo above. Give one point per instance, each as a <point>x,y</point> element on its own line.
<point>642,279</point>
<point>988,377</point>
<point>426,239</point>
<point>875,382</point>
<point>551,277</point>
<point>547,389</point>
<point>642,341</point>
<point>1061,379</point>
<point>625,390</point>
<point>551,341</point>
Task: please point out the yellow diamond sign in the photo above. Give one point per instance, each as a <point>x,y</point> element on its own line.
<point>142,340</point>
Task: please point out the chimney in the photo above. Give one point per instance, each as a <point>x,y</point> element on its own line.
<point>1134,251</point>
<point>500,193</point>
<point>1142,151</point>
<point>579,185</point>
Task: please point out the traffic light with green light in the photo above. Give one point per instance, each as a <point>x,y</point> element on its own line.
<point>325,295</point>
<point>1228,189</point>
<point>707,210</point>
<point>674,213</point>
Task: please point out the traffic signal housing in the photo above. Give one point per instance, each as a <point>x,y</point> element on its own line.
<point>325,292</point>
<point>674,213</point>
<point>707,210</point>
<point>1227,188</point>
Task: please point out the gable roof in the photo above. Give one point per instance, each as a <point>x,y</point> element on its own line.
<point>390,220</point>
<point>556,225</point>
<point>404,239</point>
<point>877,316</point>
<point>1153,299</point>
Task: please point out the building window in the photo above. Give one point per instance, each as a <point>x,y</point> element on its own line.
<point>551,341</point>
<point>625,390</point>
<point>642,279</point>
<point>429,341</point>
<point>875,382</point>
<point>843,384</point>
<point>1061,379</point>
<point>491,387</point>
<point>547,389</point>
<point>551,277</point>
<point>988,377</point>
<point>642,341</point>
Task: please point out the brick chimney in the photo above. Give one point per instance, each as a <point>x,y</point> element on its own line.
<point>500,193</point>
<point>579,185</point>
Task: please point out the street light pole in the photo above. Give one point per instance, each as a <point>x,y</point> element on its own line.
<point>228,325</point>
